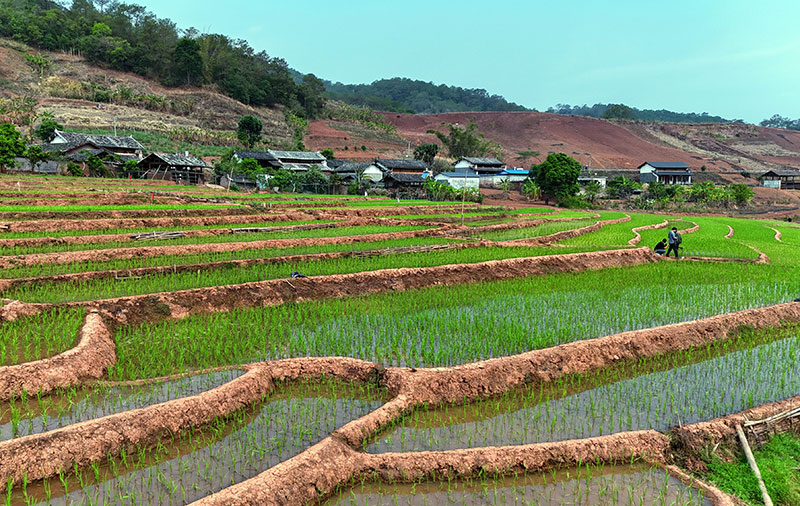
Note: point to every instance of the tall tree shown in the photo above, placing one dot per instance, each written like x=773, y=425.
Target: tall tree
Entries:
x=426, y=152
x=11, y=145
x=187, y=61
x=557, y=176
x=249, y=130
x=467, y=141
x=311, y=95
x=619, y=111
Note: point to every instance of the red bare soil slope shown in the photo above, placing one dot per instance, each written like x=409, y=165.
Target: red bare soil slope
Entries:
x=619, y=145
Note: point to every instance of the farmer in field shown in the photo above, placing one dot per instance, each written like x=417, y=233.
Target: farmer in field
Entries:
x=675, y=239
x=661, y=247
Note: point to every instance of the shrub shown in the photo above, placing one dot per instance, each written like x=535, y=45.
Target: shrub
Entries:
x=74, y=169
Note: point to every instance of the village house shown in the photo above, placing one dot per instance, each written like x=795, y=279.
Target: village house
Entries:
x=395, y=166
x=783, y=179
x=464, y=178
x=481, y=166
x=299, y=161
x=182, y=169
x=265, y=159
x=70, y=143
x=406, y=183
x=665, y=172
x=348, y=172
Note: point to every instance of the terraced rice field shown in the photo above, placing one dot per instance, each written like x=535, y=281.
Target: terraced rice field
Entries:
x=367, y=351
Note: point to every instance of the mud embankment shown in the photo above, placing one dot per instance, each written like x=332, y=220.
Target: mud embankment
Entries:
x=40, y=456
x=638, y=237
x=120, y=274
x=564, y=235
x=90, y=359
x=57, y=225
x=29, y=242
x=43, y=455
x=499, y=227
x=123, y=213
x=279, y=291
x=101, y=255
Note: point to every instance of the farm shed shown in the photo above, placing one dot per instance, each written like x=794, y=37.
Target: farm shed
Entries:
x=264, y=158
x=401, y=180
x=68, y=143
x=482, y=166
x=460, y=179
x=665, y=172
x=784, y=179
x=241, y=182
x=182, y=169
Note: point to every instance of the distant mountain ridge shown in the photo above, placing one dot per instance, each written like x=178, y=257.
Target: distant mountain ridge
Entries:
x=400, y=94
x=659, y=115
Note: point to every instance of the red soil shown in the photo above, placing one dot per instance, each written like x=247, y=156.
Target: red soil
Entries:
x=613, y=145
x=610, y=145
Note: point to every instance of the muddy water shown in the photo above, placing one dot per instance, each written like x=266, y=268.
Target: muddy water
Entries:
x=596, y=486
x=659, y=400
x=224, y=453
x=73, y=406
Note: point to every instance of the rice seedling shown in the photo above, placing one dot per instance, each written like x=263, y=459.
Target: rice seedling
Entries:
x=222, y=256
x=36, y=414
x=630, y=397
x=109, y=207
x=537, y=231
x=191, y=465
x=364, y=230
x=601, y=485
x=617, y=234
x=35, y=337
x=134, y=230
x=228, y=274
x=447, y=325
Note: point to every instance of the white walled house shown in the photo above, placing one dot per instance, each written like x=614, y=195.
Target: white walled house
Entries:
x=460, y=179
x=665, y=172
x=482, y=166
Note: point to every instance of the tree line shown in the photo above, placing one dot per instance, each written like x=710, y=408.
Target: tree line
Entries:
x=129, y=38
x=778, y=121
x=413, y=96
x=624, y=112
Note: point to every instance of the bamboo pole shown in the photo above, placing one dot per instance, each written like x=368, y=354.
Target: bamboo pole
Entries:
x=752, y=461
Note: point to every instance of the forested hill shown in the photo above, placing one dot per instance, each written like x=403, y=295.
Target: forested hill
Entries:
x=407, y=95
x=127, y=37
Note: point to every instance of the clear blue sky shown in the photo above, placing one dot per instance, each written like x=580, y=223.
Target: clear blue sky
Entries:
x=735, y=58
